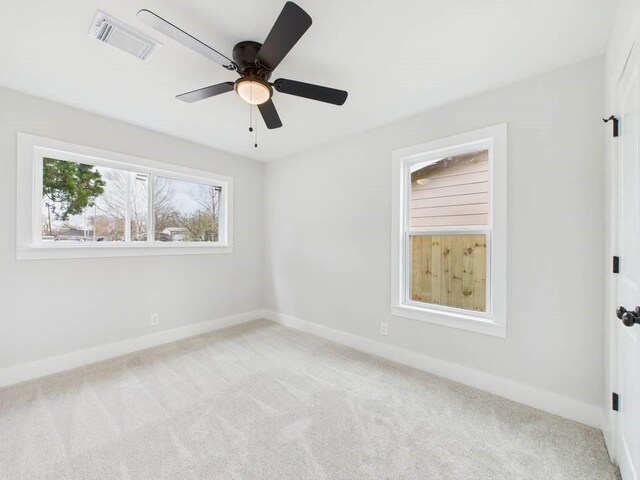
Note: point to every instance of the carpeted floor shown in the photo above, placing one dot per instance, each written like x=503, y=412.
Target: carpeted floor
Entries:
x=262, y=402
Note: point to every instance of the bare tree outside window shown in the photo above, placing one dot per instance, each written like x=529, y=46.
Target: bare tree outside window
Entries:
x=162, y=204
x=110, y=214
x=186, y=211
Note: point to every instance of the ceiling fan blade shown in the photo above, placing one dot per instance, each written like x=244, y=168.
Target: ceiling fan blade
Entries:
x=270, y=115
x=309, y=90
x=170, y=30
x=285, y=33
x=205, y=92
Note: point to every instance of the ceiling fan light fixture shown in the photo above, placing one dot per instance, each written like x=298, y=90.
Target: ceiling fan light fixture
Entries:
x=254, y=91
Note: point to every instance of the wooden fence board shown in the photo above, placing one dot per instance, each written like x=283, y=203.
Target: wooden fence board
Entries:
x=456, y=269
x=449, y=270
x=480, y=274
x=436, y=271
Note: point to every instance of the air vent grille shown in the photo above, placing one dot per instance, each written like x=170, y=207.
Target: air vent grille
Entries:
x=115, y=33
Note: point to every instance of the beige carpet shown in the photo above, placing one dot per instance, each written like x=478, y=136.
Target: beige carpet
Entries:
x=262, y=402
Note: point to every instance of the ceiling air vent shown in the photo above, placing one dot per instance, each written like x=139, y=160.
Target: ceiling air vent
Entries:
x=115, y=33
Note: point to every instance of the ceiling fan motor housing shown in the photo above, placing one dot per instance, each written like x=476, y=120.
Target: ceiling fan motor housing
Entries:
x=244, y=55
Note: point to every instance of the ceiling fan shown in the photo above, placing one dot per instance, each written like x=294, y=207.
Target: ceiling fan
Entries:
x=254, y=62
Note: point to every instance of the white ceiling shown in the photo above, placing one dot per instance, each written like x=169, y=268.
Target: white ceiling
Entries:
x=395, y=58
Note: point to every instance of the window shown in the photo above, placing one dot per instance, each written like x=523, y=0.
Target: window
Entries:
x=76, y=201
x=449, y=238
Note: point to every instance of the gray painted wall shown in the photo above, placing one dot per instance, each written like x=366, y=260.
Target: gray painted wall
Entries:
x=328, y=247
x=50, y=307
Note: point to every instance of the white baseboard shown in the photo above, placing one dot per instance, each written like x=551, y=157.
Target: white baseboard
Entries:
x=47, y=366
x=516, y=391
x=532, y=396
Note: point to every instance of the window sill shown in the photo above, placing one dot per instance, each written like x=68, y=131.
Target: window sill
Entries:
x=41, y=252
x=470, y=323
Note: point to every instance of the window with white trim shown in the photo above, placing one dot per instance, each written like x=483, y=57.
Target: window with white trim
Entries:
x=449, y=239
x=87, y=202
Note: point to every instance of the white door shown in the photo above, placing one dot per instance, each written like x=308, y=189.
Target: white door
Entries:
x=628, y=288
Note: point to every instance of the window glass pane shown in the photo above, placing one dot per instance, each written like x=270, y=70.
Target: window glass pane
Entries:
x=449, y=270
x=452, y=191
x=109, y=212
x=124, y=201
x=87, y=203
x=185, y=211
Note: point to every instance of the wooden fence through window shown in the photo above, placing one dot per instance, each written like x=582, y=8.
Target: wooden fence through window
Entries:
x=450, y=270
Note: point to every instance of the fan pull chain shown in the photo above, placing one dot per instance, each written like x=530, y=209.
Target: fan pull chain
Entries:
x=255, y=145
x=253, y=129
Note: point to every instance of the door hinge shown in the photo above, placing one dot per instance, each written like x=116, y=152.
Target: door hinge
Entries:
x=616, y=124
x=616, y=264
x=614, y=401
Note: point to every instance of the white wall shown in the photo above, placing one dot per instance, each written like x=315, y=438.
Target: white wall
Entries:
x=328, y=219
x=51, y=307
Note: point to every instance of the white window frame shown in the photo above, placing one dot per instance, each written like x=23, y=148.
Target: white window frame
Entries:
x=29, y=245
x=494, y=320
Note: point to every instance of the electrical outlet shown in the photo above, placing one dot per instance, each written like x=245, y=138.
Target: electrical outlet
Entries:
x=155, y=319
x=384, y=329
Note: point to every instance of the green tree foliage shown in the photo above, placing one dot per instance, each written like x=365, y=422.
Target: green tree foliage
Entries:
x=69, y=187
